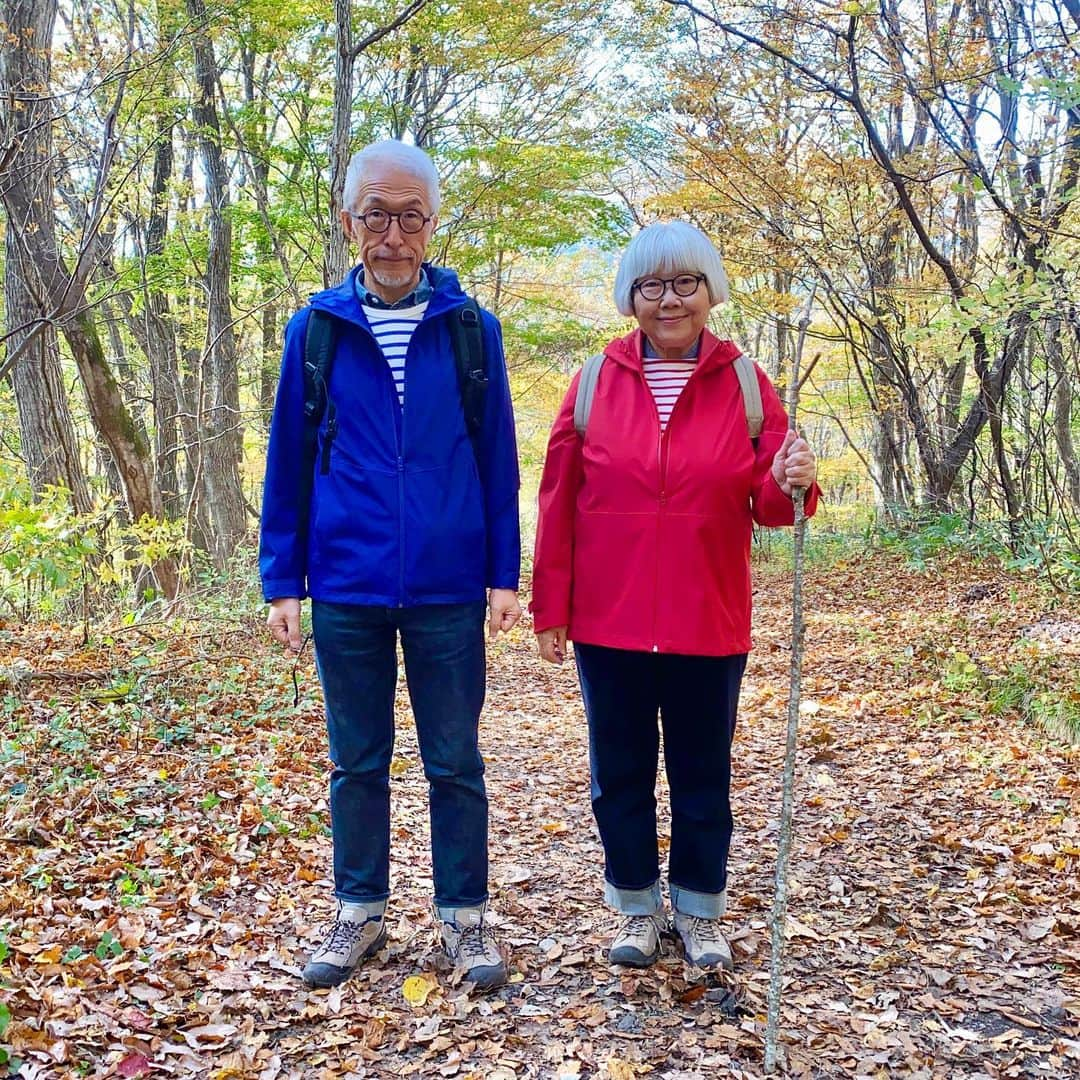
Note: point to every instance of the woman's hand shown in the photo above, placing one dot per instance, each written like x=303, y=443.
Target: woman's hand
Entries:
x=794, y=465
x=552, y=644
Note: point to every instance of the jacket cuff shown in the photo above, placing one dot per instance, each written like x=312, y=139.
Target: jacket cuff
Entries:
x=548, y=619
x=280, y=589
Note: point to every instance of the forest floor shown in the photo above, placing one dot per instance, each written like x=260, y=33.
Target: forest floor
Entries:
x=166, y=858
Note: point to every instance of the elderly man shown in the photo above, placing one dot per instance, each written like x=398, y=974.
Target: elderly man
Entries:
x=391, y=500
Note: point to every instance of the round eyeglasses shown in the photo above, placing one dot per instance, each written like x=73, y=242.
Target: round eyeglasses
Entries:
x=378, y=221
x=683, y=285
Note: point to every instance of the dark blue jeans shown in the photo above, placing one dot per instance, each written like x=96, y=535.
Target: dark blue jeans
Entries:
x=356, y=655
x=696, y=698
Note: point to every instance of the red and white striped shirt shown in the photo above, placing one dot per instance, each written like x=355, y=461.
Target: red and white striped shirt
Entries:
x=666, y=379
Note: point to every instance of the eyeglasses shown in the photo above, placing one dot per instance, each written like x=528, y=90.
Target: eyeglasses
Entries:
x=683, y=285
x=378, y=221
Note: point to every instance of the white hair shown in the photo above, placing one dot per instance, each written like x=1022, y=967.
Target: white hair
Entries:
x=669, y=247
x=398, y=155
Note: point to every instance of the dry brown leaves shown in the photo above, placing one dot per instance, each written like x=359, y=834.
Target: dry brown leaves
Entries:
x=166, y=864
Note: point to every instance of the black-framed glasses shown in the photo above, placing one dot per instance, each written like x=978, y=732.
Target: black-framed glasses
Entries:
x=378, y=221
x=684, y=285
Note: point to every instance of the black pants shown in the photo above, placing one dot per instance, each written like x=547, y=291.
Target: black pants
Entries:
x=696, y=699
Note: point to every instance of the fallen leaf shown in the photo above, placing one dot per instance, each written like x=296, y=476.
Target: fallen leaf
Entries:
x=1037, y=929
x=208, y=1036
x=617, y=1069
x=417, y=989
x=134, y=1065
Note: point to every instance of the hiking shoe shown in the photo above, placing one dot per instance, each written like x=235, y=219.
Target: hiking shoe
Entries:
x=472, y=948
x=358, y=932
x=703, y=942
x=637, y=942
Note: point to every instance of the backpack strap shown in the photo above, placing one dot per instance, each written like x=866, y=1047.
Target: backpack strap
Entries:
x=467, y=338
x=744, y=369
x=586, y=391
x=751, y=394
x=319, y=342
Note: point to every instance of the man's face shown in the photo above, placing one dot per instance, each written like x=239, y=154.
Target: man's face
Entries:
x=391, y=259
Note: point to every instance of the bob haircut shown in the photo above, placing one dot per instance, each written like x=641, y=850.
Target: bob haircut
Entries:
x=669, y=247
x=398, y=155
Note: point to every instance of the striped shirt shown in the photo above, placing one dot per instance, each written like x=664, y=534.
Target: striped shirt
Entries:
x=393, y=329
x=666, y=379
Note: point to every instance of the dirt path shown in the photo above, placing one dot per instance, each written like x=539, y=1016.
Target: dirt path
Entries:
x=166, y=867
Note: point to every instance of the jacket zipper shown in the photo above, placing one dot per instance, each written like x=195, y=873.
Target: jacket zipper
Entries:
x=660, y=503
x=399, y=440
x=662, y=444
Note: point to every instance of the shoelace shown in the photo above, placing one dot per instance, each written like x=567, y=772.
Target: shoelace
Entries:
x=706, y=930
x=343, y=936
x=474, y=941
x=637, y=925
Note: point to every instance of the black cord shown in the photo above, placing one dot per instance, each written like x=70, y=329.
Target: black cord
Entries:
x=295, y=680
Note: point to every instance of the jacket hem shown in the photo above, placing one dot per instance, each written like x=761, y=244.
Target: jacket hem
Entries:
x=677, y=648
x=334, y=596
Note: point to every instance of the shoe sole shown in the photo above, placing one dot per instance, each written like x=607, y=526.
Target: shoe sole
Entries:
x=370, y=951
x=716, y=965
x=640, y=960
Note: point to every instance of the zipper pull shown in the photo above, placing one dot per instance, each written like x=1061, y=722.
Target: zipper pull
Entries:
x=328, y=442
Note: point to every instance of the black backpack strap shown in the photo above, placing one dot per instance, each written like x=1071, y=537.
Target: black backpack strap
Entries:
x=319, y=342
x=467, y=337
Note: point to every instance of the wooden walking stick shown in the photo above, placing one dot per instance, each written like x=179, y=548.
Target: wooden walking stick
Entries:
x=779, y=911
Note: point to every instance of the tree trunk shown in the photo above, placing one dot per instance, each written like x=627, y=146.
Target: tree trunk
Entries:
x=218, y=500
x=337, y=250
x=60, y=295
x=48, y=443
x=1064, y=398
x=161, y=345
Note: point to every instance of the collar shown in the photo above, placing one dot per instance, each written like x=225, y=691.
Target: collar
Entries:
x=419, y=295
x=648, y=350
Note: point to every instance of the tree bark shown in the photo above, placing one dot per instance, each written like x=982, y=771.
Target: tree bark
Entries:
x=1064, y=399
x=59, y=295
x=337, y=249
x=162, y=350
x=48, y=443
x=218, y=503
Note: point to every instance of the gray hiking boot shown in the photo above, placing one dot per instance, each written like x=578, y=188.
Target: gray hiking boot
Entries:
x=704, y=942
x=637, y=941
x=472, y=948
x=358, y=932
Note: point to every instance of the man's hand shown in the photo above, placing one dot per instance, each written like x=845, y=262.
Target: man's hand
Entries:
x=284, y=622
x=552, y=644
x=794, y=465
x=505, y=611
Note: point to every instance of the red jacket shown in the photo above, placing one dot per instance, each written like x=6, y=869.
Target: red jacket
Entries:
x=643, y=539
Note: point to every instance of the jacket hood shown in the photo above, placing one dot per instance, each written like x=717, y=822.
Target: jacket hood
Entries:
x=714, y=352
x=446, y=294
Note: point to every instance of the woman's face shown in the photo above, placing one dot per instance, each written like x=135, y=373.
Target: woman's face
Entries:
x=673, y=323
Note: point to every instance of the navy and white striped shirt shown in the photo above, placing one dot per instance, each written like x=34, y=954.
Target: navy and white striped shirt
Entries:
x=393, y=329
x=394, y=338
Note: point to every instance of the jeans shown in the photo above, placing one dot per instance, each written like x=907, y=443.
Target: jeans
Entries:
x=696, y=698
x=356, y=656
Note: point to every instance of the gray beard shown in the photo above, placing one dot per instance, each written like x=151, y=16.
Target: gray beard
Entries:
x=393, y=281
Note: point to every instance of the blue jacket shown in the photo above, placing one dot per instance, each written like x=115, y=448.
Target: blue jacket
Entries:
x=405, y=516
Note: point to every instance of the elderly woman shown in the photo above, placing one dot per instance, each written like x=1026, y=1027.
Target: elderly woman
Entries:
x=643, y=560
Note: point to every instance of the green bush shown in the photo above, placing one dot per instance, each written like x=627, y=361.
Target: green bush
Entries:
x=1034, y=547
x=51, y=557
x=45, y=548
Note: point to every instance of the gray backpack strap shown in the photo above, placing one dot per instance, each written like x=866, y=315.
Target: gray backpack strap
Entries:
x=751, y=393
x=586, y=390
